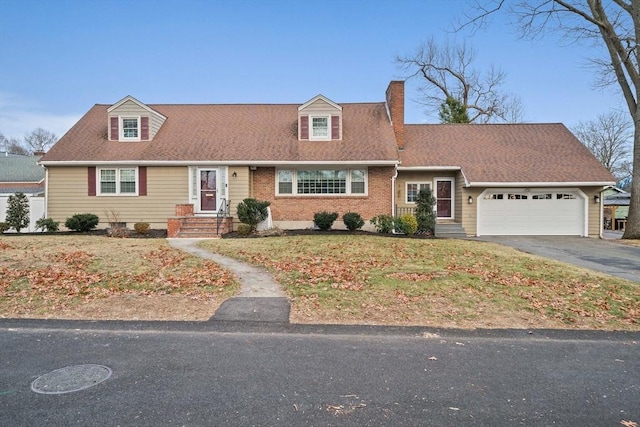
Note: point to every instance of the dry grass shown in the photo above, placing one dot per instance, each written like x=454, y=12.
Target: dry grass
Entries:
x=447, y=283
x=96, y=277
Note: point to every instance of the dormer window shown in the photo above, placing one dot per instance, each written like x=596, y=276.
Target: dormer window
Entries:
x=319, y=119
x=319, y=128
x=130, y=129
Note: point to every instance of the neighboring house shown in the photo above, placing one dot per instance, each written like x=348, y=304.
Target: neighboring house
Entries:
x=22, y=174
x=180, y=166
x=616, y=208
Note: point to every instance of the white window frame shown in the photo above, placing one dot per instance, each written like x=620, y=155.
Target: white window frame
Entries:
x=419, y=184
x=347, y=193
x=118, y=170
x=131, y=138
x=326, y=137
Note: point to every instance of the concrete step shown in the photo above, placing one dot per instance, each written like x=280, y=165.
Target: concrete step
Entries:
x=450, y=230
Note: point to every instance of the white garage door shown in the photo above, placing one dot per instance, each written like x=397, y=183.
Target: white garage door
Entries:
x=535, y=212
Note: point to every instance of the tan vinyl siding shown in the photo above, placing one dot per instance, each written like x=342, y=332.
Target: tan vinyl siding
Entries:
x=238, y=189
x=425, y=176
x=470, y=211
x=594, y=211
x=320, y=107
x=166, y=187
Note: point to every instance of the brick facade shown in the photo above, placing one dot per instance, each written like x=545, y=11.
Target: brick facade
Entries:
x=302, y=208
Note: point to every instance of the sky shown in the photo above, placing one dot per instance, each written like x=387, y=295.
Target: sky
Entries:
x=60, y=57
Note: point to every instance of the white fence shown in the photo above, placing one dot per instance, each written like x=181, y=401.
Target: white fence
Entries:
x=36, y=211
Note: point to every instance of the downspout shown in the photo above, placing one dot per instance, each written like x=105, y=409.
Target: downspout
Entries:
x=46, y=192
x=393, y=190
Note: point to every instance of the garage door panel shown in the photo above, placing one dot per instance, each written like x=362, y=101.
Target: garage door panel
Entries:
x=523, y=215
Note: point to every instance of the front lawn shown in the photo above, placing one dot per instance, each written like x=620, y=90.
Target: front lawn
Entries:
x=450, y=283
x=97, y=277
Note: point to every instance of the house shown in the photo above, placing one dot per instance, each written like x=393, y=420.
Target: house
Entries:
x=22, y=174
x=186, y=167
x=616, y=208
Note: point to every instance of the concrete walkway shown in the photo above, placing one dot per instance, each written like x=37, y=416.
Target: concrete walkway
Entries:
x=261, y=299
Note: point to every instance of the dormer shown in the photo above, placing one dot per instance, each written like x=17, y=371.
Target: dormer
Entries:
x=130, y=120
x=319, y=119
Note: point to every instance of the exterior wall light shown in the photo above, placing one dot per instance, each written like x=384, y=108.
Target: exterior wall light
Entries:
x=235, y=174
x=470, y=199
x=596, y=199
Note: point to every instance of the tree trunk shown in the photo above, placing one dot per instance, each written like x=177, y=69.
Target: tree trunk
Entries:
x=632, y=229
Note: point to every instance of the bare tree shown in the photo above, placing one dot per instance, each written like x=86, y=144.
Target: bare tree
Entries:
x=447, y=72
x=609, y=139
x=613, y=25
x=12, y=146
x=40, y=140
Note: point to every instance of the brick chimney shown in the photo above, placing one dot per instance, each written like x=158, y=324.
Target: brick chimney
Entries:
x=395, y=104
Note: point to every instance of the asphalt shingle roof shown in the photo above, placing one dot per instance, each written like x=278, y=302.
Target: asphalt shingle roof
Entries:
x=502, y=153
x=20, y=169
x=232, y=133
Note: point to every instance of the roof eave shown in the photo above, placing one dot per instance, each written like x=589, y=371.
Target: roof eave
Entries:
x=541, y=184
x=219, y=162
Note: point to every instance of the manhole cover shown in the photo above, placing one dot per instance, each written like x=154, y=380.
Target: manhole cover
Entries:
x=70, y=379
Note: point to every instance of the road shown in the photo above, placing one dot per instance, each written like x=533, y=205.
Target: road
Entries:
x=319, y=376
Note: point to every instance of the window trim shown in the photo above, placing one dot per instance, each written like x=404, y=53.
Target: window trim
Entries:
x=347, y=193
x=121, y=130
x=118, y=193
x=326, y=137
x=419, y=183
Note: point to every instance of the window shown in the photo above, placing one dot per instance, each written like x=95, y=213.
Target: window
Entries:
x=517, y=196
x=561, y=196
x=285, y=182
x=321, y=181
x=320, y=128
x=413, y=188
x=118, y=181
x=546, y=196
x=130, y=128
x=494, y=197
x=358, y=181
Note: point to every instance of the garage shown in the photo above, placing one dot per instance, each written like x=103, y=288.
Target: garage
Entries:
x=531, y=212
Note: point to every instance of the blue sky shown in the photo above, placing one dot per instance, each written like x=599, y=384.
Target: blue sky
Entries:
x=58, y=58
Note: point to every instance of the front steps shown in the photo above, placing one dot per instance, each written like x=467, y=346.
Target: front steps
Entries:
x=196, y=227
x=453, y=230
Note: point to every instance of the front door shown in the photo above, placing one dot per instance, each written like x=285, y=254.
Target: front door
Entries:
x=444, y=198
x=208, y=190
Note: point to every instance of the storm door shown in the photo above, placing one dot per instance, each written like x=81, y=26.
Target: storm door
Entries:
x=208, y=193
x=444, y=198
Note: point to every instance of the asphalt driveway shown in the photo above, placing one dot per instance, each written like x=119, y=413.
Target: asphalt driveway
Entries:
x=606, y=256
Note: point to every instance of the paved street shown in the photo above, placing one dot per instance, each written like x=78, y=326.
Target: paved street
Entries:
x=197, y=374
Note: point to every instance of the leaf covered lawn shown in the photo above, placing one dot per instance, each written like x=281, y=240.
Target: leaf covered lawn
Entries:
x=89, y=276
x=447, y=283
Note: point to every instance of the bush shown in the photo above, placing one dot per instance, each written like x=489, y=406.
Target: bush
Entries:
x=141, y=227
x=244, y=229
x=425, y=216
x=48, y=225
x=4, y=227
x=18, y=211
x=324, y=220
x=353, y=221
x=406, y=224
x=82, y=222
x=383, y=223
x=252, y=212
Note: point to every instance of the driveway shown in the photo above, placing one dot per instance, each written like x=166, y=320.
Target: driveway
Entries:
x=606, y=256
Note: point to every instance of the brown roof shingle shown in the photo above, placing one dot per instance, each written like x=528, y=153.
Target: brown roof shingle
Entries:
x=503, y=153
x=260, y=133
